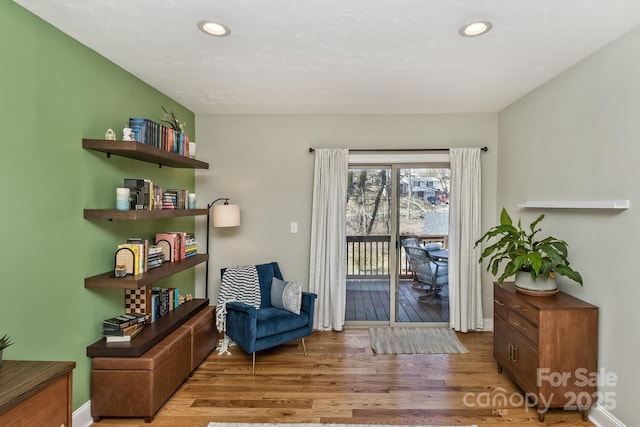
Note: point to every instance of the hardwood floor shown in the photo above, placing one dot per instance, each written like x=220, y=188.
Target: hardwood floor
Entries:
x=342, y=381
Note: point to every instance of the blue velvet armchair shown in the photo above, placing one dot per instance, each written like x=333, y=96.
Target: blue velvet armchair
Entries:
x=259, y=329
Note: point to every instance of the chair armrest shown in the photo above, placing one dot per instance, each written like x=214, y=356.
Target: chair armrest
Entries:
x=308, y=302
x=242, y=325
x=240, y=306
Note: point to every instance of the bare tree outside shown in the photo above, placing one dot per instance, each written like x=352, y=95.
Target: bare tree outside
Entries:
x=421, y=191
x=422, y=196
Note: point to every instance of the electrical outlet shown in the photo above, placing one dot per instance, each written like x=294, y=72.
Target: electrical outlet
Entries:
x=294, y=227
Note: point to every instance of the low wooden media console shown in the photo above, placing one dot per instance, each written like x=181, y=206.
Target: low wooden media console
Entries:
x=136, y=378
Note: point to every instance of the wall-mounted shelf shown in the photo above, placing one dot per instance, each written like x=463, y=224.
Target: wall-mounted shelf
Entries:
x=108, y=279
x=143, y=152
x=152, y=334
x=135, y=215
x=594, y=204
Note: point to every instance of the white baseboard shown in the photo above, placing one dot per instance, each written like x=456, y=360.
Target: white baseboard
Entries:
x=82, y=416
x=603, y=418
x=487, y=324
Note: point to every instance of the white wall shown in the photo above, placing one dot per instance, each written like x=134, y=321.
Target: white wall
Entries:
x=262, y=163
x=576, y=138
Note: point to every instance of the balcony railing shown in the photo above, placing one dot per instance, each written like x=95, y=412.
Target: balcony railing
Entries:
x=368, y=256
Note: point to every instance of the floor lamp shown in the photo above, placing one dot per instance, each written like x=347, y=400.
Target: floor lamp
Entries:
x=225, y=215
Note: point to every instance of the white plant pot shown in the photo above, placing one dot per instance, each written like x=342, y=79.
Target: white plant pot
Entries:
x=524, y=281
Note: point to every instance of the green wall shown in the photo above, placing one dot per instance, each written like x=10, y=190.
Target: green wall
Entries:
x=54, y=92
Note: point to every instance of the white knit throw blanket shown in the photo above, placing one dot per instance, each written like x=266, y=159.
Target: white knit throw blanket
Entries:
x=238, y=284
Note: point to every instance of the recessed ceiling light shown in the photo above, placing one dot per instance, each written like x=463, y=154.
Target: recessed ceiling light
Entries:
x=475, y=28
x=214, y=28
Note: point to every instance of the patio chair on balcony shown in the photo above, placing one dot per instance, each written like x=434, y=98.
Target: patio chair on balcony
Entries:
x=410, y=241
x=431, y=276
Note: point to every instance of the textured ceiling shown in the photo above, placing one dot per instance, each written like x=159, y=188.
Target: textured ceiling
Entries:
x=342, y=56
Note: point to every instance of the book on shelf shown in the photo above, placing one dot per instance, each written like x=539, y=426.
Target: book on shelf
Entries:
x=124, y=320
x=136, y=249
x=176, y=297
x=121, y=332
x=162, y=301
x=154, y=257
x=124, y=338
x=143, y=244
x=141, y=193
x=181, y=239
x=191, y=247
x=175, y=199
x=168, y=242
x=159, y=136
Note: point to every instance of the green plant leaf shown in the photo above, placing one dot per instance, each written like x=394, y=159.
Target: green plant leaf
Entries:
x=570, y=273
x=516, y=249
x=505, y=219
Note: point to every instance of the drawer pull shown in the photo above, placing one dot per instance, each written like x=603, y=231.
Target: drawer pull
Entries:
x=518, y=325
x=497, y=301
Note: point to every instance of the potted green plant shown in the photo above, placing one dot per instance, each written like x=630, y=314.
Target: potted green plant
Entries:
x=534, y=263
x=5, y=342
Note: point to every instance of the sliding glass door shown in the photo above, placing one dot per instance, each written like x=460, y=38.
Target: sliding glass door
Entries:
x=385, y=206
x=369, y=256
x=423, y=232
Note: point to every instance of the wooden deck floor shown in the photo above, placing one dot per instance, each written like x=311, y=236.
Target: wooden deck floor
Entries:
x=368, y=300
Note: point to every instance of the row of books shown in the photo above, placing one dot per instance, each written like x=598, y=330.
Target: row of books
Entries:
x=138, y=256
x=163, y=300
x=177, y=245
x=147, y=195
x=159, y=136
x=125, y=327
x=175, y=199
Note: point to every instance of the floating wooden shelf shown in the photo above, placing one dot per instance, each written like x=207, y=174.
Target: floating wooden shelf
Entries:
x=108, y=279
x=135, y=215
x=143, y=152
x=151, y=335
x=594, y=204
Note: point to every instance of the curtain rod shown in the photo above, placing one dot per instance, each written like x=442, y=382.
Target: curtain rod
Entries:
x=379, y=150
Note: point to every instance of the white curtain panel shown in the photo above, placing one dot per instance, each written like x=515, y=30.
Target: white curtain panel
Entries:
x=328, y=264
x=465, y=273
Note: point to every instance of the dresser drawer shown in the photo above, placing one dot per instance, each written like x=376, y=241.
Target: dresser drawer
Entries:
x=522, y=308
x=500, y=302
x=523, y=326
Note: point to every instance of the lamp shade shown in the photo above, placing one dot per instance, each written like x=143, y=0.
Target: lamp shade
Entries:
x=226, y=215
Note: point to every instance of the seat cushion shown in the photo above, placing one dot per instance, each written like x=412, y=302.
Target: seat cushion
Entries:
x=272, y=321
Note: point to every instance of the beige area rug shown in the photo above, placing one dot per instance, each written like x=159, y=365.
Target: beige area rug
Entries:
x=315, y=425
x=415, y=341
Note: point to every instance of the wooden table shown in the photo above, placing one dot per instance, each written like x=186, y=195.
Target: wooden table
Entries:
x=35, y=393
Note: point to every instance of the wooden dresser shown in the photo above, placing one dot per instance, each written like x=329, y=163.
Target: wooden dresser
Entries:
x=549, y=346
x=35, y=393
